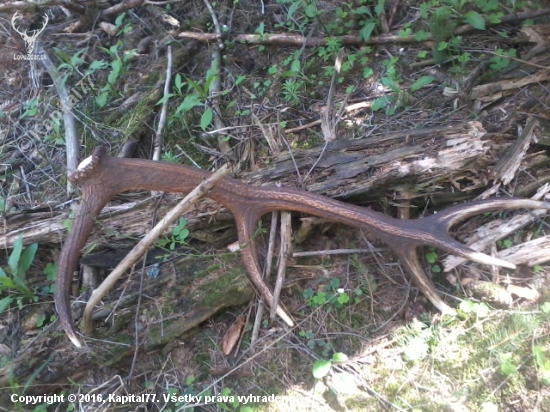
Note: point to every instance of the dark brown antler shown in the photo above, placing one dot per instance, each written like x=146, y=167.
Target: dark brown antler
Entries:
x=101, y=177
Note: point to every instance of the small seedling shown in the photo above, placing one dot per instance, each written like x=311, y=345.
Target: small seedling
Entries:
x=179, y=235
x=12, y=279
x=321, y=367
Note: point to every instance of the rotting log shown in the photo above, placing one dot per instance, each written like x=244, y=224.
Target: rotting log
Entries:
x=403, y=165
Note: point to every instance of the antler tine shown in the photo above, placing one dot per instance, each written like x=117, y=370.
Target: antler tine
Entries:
x=408, y=257
x=245, y=227
x=439, y=224
x=458, y=213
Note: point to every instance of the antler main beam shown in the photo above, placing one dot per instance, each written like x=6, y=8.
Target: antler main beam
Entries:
x=101, y=177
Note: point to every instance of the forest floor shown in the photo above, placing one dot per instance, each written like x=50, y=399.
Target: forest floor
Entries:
x=287, y=91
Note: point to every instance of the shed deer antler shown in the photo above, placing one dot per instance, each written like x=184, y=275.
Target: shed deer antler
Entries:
x=101, y=177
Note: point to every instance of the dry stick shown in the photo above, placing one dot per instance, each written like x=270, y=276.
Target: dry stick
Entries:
x=337, y=252
x=216, y=85
x=285, y=246
x=145, y=243
x=501, y=86
x=267, y=272
x=157, y=143
x=351, y=40
x=71, y=137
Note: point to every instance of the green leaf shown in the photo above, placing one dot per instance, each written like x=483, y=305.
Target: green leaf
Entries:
x=311, y=10
x=420, y=83
x=295, y=66
x=540, y=355
x=474, y=19
x=481, y=309
x=7, y=282
x=198, y=88
x=362, y=10
x=506, y=368
x=26, y=259
x=421, y=35
x=115, y=72
x=5, y=303
x=379, y=7
x=164, y=98
x=545, y=307
x=379, y=103
x=292, y=9
x=339, y=357
x=366, y=31
x=13, y=261
x=321, y=368
x=98, y=65
x=206, y=118
x=308, y=294
x=390, y=83
x=367, y=72
x=334, y=283
x=431, y=257
x=343, y=298
x=261, y=28
x=466, y=306
x=211, y=74
x=183, y=235
x=190, y=101
x=179, y=83
x=101, y=100
x=119, y=19
x=240, y=79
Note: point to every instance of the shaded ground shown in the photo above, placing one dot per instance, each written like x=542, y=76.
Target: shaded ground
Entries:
x=407, y=66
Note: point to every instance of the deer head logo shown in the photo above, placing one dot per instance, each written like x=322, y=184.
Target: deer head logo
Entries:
x=29, y=37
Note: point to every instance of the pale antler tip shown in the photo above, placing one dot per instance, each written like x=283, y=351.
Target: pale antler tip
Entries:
x=83, y=164
x=74, y=339
x=489, y=260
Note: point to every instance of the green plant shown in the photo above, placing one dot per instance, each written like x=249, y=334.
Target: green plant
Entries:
x=322, y=367
x=127, y=28
x=504, y=243
x=481, y=310
x=118, y=67
x=433, y=257
x=169, y=157
x=12, y=279
x=291, y=88
x=196, y=95
x=500, y=60
x=542, y=363
x=31, y=108
x=313, y=342
x=331, y=293
x=178, y=237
